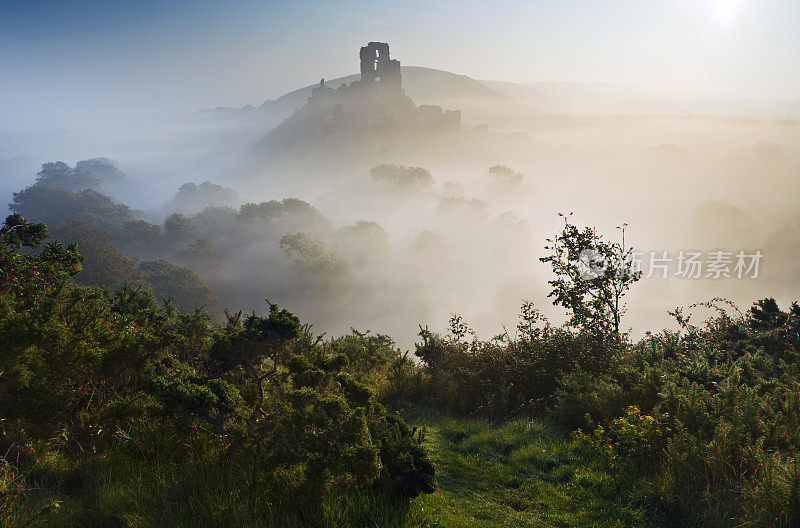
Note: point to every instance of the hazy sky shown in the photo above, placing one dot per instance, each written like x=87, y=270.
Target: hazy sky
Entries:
x=89, y=60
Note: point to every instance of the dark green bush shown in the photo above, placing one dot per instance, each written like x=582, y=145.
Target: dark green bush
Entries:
x=85, y=372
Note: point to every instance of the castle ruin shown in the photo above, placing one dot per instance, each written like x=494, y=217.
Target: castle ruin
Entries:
x=377, y=68
x=378, y=97
x=373, y=110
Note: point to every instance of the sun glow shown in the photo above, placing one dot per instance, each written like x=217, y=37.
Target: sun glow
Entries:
x=725, y=12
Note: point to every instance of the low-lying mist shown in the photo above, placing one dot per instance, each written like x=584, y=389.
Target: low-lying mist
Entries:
x=345, y=243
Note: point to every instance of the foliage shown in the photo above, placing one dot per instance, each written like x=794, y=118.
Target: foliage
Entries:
x=291, y=214
x=18, y=232
x=117, y=407
x=103, y=170
x=203, y=256
x=59, y=174
x=634, y=438
x=701, y=423
x=103, y=264
x=312, y=256
x=401, y=175
x=505, y=175
x=87, y=374
x=180, y=228
x=506, y=377
x=459, y=204
x=54, y=205
x=193, y=198
x=185, y=287
x=592, y=277
x=718, y=434
x=519, y=473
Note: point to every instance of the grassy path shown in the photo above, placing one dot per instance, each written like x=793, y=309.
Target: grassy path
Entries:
x=522, y=473
x=518, y=474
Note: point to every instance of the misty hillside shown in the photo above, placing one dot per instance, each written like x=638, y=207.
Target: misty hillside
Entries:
x=423, y=85
x=508, y=103
x=427, y=86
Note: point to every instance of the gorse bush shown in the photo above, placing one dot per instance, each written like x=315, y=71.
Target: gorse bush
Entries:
x=256, y=420
x=716, y=415
x=704, y=420
x=507, y=376
x=633, y=439
x=86, y=373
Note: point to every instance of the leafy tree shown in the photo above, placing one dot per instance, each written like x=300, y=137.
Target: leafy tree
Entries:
x=460, y=205
x=289, y=404
x=290, y=214
x=192, y=198
x=103, y=265
x=59, y=174
x=187, y=289
x=592, y=277
x=54, y=205
x=38, y=388
x=363, y=241
x=87, y=174
x=103, y=170
x=18, y=232
x=505, y=175
x=180, y=228
x=312, y=255
x=367, y=354
x=203, y=256
x=53, y=170
x=366, y=230
x=401, y=175
x=139, y=238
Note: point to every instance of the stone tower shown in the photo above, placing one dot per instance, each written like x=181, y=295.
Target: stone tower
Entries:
x=377, y=68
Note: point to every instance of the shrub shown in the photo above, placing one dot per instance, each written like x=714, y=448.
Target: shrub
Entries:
x=86, y=372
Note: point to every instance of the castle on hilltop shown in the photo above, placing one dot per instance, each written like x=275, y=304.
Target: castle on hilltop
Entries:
x=377, y=71
x=381, y=82
x=372, y=112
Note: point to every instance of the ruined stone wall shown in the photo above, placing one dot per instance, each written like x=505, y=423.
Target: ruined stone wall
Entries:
x=377, y=68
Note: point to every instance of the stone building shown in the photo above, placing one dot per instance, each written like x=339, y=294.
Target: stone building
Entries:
x=378, y=68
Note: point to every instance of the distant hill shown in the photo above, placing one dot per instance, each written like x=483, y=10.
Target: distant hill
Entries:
x=423, y=85
x=478, y=102
x=578, y=98
x=500, y=103
x=361, y=117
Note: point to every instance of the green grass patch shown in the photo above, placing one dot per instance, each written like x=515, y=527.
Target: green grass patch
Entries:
x=522, y=473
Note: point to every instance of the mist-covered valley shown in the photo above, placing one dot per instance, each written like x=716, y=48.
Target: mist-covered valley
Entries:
x=310, y=226
x=400, y=264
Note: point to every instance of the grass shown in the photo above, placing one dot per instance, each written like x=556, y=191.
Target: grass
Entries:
x=521, y=473
x=518, y=474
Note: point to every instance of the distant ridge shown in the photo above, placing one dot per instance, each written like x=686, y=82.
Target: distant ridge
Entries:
x=492, y=102
x=427, y=86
